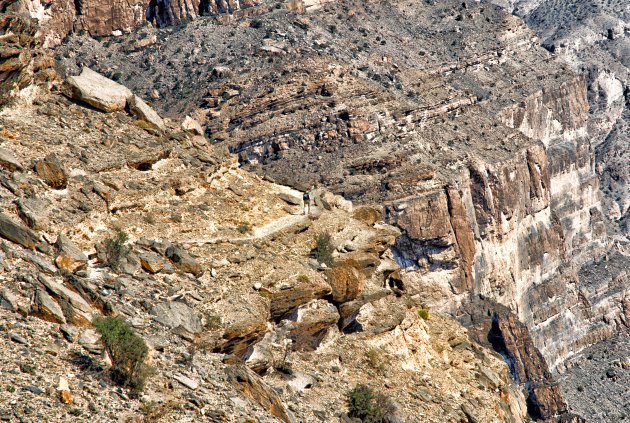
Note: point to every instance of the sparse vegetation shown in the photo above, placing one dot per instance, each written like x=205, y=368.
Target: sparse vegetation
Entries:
x=154, y=412
x=367, y=406
x=244, y=228
x=303, y=279
x=423, y=313
x=324, y=248
x=127, y=351
x=374, y=358
x=115, y=248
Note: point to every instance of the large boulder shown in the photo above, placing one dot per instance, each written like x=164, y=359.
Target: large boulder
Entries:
x=98, y=91
x=346, y=281
x=183, y=261
x=253, y=387
x=288, y=298
x=311, y=324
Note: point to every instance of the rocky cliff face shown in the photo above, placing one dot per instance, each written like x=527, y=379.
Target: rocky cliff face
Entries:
x=113, y=17
x=476, y=143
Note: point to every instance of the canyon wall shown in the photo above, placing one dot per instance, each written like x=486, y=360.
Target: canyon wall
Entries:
x=114, y=17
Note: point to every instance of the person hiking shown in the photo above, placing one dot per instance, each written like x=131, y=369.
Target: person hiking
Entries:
x=307, y=202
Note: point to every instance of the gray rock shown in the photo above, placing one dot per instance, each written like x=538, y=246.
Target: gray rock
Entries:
x=18, y=338
x=17, y=233
x=186, y=381
x=8, y=300
x=98, y=91
x=143, y=111
x=291, y=198
x=34, y=389
x=70, y=333
x=175, y=314
x=42, y=264
x=33, y=211
x=8, y=161
x=46, y=308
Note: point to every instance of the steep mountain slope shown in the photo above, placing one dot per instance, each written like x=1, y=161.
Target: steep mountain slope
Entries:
x=474, y=142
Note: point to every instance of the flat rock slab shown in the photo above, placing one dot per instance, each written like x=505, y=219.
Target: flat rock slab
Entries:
x=9, y=161
x=98, y=91
x=17, y=233
x=186, y=381
x=143, y=111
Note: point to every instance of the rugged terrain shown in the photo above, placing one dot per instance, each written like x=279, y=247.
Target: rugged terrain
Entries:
x=480, y=153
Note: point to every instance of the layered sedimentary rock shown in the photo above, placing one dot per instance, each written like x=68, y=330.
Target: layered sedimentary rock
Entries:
x=472, y=138
x=112, y=17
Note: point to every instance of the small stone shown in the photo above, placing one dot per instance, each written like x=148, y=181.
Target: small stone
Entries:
x=63, y=388
x=18, y=338
x=151, y=262
x=191, y=126
x=51, y=171
x=186, y=381
x=257, y=286
x=34, y=389
x=8, y=161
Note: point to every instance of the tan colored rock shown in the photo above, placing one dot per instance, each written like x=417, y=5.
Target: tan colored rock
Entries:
x=143, y=111
x=152, y=263
x=46, y=308
x=99, y=91
x=191, y=126
x=345, y=281
x=69, y=256
x=52, y=172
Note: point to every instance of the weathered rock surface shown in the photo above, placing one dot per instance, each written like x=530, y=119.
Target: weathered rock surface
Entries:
x=175, y=314
x=98, y=91
x=143, y=111
x=51, y=170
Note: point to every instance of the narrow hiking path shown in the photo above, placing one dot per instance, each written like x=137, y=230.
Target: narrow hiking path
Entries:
x=269, y=229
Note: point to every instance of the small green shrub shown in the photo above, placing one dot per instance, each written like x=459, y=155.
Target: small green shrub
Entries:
x=370, y=408
x=324, y=248
x=256, y=24
x=303, y=279
x=127, y=351
x=244, y=228
x=115, y=248
x=423, y=313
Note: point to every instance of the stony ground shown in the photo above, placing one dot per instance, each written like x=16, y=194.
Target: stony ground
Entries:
x=239, y=286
